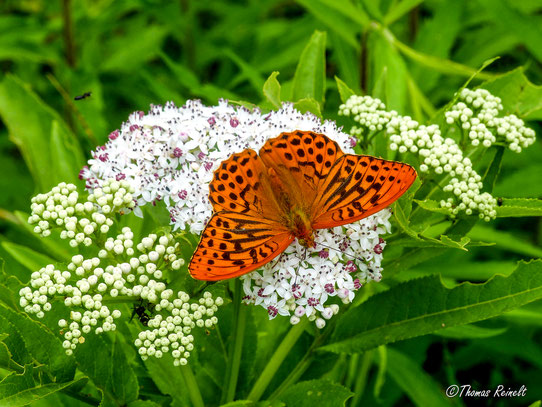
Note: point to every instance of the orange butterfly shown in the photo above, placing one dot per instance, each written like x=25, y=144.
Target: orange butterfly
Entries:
x=300, y=182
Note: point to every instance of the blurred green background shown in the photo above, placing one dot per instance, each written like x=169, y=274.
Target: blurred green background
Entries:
x=413, y=54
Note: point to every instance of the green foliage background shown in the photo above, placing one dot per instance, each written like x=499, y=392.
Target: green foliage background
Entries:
x=412, y=54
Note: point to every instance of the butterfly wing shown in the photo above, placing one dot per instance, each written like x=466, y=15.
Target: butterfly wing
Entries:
x=234, y=244
x=245, y=231
x=358, y=186
x=300, y=162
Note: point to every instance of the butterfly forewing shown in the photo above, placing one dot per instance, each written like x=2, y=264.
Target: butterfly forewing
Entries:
x=359, y=186
x=233, y=244
x=301, y=160
x=241, y=185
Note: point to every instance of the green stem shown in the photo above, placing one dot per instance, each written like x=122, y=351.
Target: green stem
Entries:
x=236, y=344
x=276, y=359
x=192, y=386
x=361, y=379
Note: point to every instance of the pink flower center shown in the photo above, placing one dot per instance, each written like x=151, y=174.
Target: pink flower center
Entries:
x=177, y=152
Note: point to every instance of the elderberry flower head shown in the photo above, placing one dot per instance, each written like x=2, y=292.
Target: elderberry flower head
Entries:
x=79, y=221
x=476, y=113
x=120, y=269
x=171, y=152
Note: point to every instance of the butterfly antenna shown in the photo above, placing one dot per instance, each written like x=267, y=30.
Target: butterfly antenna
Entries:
x=334, y=248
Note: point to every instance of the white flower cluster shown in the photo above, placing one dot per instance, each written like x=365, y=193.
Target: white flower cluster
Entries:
x=369, y=112
x=476, y=113
x=121, y=269
x=171, y=153
x=79, y=221
x=173, y=332
x=344, y=259
x=443, y=156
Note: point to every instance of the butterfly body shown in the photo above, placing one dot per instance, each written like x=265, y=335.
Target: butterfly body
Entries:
x=298, y=183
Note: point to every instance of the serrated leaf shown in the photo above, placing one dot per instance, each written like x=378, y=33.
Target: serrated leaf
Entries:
x=18, y=390
x=421, y=240
x=518, y=94
x=432, y=306
x=271, y=90
x=310, y=75
x=116, y=380
x=519, y=208
x=316, y=393
x=344, y=91
x=40, y=342
x=432, y=206
x=420, y=387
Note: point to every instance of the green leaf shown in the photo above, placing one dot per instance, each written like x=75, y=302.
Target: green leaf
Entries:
x=66, y=156
x=384, y=56
x=519, y=96
x=316, y=393
x=308, y=105
x=41, y=344
x=271, y=90
x=441, y=65
x=341, y=17
x=6, y=358
x=310, y=75
x=117, y=380
x=469, y=331
x=432, y=306
x=18, y=390
x=168, y=379
x=247, y=71
x=129, y=51
x=504, y=240
x=399, y=10
x=425, y=241
x=420, y=387
x=250, y=403
x=29, y=258
x=432, y=206
x=527, y=28
x=519, y=207
x=490, y=177
x=29, y=121
x=344, y=91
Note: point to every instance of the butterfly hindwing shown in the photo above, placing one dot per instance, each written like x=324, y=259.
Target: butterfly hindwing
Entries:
x=233, y=244
x=358, y=186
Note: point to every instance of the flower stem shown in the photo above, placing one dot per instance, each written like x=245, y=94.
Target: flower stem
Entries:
x=236, y=344
x=361, y=379
x=274, y=363
x=192, y=386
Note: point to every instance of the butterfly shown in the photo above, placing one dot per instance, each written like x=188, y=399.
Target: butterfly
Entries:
x=300, y=181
